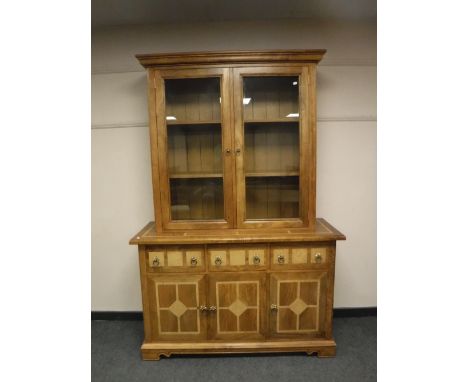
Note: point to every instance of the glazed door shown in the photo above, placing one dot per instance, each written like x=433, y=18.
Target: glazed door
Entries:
x=298, y=304
x=274, y=137
x=194, y=136
x=237, y=304
x=175, y=303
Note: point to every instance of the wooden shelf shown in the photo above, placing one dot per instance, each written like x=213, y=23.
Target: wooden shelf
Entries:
x=194, y=176
x=273, y=120
x=272, y=173
x=176, y=122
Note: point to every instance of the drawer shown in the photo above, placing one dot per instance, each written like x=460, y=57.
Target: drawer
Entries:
x=299, y=256
x=237, y=257
x=175, y=258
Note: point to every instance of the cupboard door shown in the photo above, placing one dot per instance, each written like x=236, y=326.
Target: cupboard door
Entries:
x=175, y=303
x=298, y=304
x=274, y=155
x=237, y=303
x=194, y=145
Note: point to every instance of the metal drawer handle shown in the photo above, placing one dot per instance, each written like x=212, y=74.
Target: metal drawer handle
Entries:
x=256, y=260
x=318, y=258
x=156, y=262
x=193, y=261
x=218, y=260
x=280, y=259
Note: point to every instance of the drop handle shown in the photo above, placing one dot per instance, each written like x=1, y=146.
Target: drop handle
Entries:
x=193, y=261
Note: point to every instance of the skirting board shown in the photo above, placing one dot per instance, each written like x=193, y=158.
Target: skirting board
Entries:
x=138, y=316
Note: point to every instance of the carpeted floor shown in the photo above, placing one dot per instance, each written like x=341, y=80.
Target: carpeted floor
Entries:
x=116, y=357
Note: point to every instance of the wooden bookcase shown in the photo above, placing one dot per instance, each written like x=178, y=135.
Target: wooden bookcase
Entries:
x=236, y=260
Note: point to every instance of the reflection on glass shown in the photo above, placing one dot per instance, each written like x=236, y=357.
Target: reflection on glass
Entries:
x=272, y=147
x=271, y=153
x=193, y=100
x=197, y=199
x=271, y=98
x=272, y=197
x=194, y=148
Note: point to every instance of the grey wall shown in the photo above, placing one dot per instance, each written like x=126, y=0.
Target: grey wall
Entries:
x=121, y=179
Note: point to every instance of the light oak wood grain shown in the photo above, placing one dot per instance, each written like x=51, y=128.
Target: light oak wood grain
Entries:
x=236, y=260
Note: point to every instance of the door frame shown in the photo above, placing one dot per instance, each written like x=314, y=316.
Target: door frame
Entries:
x=213, y=298
x=307, y=143
x=323, y=324
x=153, y=305
x=159, y=136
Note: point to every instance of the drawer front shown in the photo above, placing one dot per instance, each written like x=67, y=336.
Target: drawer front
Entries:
x=176, y=259
x=237, y=257
x=308, y=255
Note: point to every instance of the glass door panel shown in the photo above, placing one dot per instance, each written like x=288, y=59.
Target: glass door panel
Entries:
x=192, y=136
x=271, y=147
x=193, y=118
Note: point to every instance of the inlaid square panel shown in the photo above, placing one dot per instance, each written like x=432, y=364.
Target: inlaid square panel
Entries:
x=287, y=292
x=226, y=294
x=156, y=259
x=287, y=320
x=277, y=252
x=227, y=321
x=260, y=253
x=237, y=257
x=168, y=321
x=318, y=255
x=299, y=255
x=198, y=255
x=248, y=320
x=188, y=295
x=167, y=294
x=309, y=292
x=175, y=258
x=214, y=254
x=188, y=321
x=308, y=319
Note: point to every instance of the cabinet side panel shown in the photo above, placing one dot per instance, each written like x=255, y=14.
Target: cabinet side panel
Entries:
x=154, y=150
x=330, y=293
x=313, y=143
x=144, y=292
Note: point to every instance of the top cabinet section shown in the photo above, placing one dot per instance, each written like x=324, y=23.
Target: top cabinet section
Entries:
x=233, y=146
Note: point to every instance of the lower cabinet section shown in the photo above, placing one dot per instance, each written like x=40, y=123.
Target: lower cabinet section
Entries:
x=174, y=304
x=257, y=298
x=230, y=306
x=298, y=303
x=240, y=305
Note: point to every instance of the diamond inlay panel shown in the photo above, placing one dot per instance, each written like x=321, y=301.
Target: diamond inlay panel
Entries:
x=298, y=303
x=241, y=315
x=298, y=306
x=177, y=307
x=237, y=307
